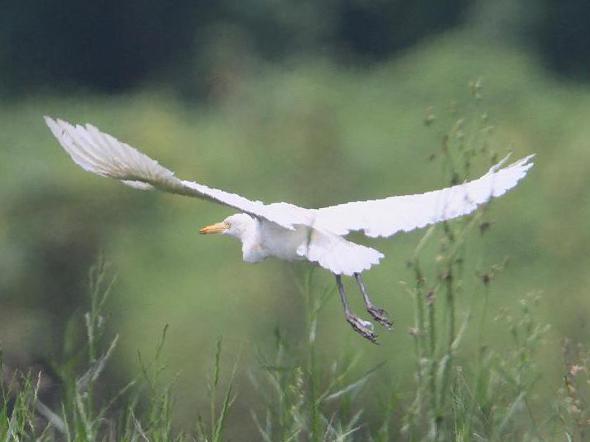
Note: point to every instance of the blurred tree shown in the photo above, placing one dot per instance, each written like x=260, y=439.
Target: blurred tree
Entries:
x=564, y=37
x=105, y=44
x=50, y=244
x=512, y=22
x=200, y=46
x=378, y=28
x=111, y=46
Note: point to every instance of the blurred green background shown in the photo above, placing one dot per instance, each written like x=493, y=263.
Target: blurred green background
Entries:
x=313, y=103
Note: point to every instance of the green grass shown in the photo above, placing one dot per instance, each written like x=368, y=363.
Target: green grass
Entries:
x=458, y=390
x=455, y=395
x=475, y=360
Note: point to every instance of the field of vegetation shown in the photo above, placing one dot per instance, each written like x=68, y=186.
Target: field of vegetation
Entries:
x=173, y=337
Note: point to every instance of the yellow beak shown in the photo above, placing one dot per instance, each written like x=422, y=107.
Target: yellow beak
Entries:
x=214, y=228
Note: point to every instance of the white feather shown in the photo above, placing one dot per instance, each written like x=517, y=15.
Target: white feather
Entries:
x=292, y=232
x=102, y=154
x=338, y=255
x=387, y=216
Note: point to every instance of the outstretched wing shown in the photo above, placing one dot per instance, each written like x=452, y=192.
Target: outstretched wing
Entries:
x=385, y=217
x=102, y=154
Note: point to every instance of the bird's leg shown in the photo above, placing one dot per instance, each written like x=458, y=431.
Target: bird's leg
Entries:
x=377, y=313
x=364, y=328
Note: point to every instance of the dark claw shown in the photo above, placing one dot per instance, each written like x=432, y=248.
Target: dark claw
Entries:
x=364, y=328
x=380, y=316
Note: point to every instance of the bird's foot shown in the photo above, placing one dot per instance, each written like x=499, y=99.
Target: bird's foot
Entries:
x=362, y=327
x=380, y=316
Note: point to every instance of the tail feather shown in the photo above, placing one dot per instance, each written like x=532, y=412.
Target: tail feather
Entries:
x=338, y=255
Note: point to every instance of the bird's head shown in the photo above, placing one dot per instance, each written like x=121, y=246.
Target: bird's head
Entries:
x=236, y=225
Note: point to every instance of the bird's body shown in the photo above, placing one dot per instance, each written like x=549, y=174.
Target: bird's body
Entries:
x=267, y=239
x=278, y=242
x=262, y=239
x=287, y=231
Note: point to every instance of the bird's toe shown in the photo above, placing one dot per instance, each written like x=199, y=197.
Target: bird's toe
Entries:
x=362, y=327
x=380, y=316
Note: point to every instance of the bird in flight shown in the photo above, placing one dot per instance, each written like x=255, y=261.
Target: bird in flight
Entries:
x=287, y=231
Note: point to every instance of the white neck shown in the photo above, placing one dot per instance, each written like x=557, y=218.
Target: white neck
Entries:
x=251, y=239
x=248, y=230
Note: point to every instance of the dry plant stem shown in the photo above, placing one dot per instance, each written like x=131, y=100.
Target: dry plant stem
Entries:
x=432, y=358
x=421, y=339
x=447, y=360
x=312, y=309
x=419, y=333
x=451, y=309
x=433, y=367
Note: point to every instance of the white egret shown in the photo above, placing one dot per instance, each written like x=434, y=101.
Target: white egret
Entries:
x=287, y=231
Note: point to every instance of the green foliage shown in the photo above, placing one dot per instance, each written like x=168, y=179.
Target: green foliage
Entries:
x=476, y=365
x=304, y=399
x=199, y=47
x=459, y=397
x=43, y=48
